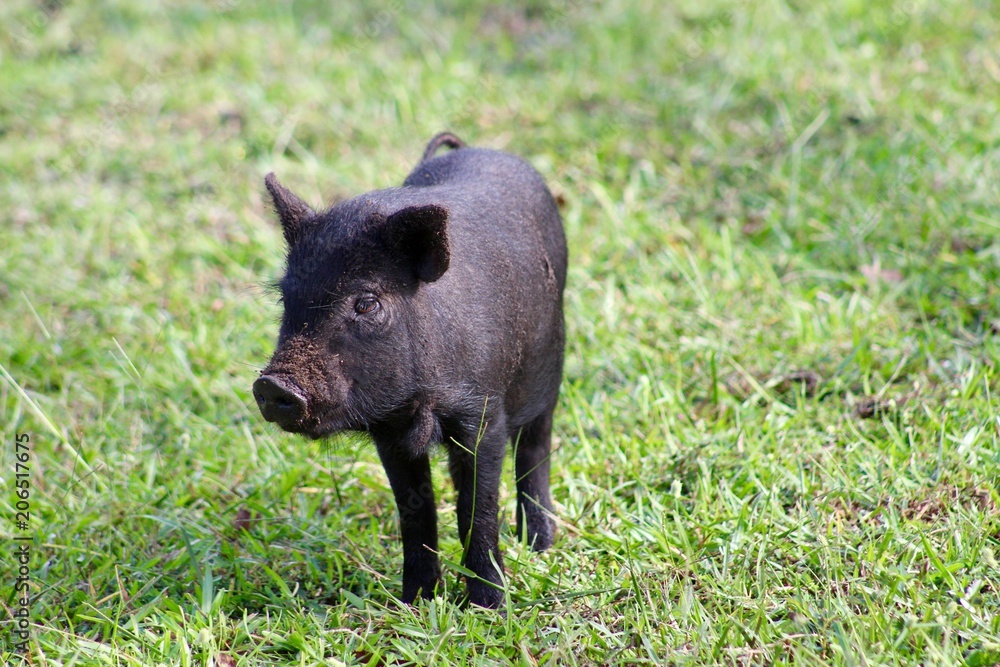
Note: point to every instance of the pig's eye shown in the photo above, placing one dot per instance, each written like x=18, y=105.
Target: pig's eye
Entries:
x=366, y=305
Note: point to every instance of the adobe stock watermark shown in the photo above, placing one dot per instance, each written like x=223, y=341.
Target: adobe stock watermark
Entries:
x=910, y=172
x=695, y=48
x=20, y=550
x=361, y=33
x=27, y=31
x=109, y=130
x=899, y=15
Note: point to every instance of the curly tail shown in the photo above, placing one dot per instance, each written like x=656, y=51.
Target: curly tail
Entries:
x=443, y=139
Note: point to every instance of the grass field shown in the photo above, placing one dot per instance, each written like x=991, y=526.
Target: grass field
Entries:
x=778, y=441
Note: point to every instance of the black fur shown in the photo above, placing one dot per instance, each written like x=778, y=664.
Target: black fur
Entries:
x=431, y=313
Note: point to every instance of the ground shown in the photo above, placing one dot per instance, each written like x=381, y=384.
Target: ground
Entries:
x=778, y=439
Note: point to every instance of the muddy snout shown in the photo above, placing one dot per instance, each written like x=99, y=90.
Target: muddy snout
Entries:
x=280, y=401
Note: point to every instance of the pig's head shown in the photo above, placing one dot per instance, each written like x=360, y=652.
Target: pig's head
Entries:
x=348, y=352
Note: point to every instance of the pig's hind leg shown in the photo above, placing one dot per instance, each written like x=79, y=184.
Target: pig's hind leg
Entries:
x=531, y=469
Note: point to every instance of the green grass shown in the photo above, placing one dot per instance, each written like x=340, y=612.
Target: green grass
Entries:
x=778, y=441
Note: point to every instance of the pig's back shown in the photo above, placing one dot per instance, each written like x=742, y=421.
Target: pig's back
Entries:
x=484, y=185
x=503, y=289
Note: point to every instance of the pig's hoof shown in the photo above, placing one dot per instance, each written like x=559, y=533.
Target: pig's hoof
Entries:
x=483, y=594
x=413, y=593
x=541, y=532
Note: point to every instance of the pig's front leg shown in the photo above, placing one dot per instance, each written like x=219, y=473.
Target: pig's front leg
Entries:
x=476, y=463
x=410, y=479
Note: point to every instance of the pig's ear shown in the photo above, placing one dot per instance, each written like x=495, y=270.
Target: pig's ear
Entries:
x=421, y=233
x=292, y=211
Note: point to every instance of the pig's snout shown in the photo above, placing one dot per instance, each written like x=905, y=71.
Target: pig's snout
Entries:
x=279, y=401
